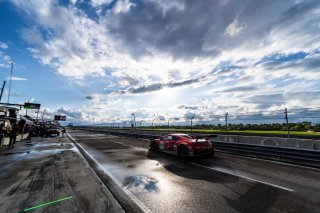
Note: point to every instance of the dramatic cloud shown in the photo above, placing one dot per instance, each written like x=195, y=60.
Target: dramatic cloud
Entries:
x=158, y=86
x=73, y=114
x=219, y=55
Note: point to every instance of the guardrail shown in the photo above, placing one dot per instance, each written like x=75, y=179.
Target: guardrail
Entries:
x=290, y=155
x=304, y=157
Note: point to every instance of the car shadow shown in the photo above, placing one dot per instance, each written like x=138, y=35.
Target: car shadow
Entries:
x=188, y=168
x=257, y=197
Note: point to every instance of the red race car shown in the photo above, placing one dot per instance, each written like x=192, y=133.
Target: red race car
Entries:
x=183, y=145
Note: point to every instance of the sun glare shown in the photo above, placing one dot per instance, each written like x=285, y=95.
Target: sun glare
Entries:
x=166, y=97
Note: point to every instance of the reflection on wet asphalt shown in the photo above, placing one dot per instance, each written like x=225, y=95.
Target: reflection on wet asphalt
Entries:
x=140, y=183
x=166, y=183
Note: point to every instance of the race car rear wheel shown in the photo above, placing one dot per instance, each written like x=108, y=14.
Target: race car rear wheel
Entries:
x=183, y=151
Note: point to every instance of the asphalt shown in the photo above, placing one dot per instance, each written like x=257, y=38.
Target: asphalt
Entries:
x=224, y=183
x=47, y=170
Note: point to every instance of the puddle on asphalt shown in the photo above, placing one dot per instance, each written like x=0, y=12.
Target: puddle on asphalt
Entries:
x=141, y=184
x=12, y=153
x=40, y=150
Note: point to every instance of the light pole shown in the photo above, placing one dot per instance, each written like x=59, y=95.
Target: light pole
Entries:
x=134, y=120
x=287, y=121
x=141, y=123
x=10, y=83
x=168, y=123
x=124, y=124
x=3, y=86
x=191, y=121
x=226, y=119
x=152, y=123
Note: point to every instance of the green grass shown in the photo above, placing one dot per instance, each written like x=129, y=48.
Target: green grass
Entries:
x=247, y=132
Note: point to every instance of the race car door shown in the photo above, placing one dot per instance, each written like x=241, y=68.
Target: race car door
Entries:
x=167, y=142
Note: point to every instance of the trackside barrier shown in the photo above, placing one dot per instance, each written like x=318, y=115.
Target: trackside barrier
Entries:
x=305, y=157
x=271, y=141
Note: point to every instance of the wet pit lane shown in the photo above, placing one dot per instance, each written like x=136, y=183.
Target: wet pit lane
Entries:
x=38, y=149
x=46, y=170
x=166, y=183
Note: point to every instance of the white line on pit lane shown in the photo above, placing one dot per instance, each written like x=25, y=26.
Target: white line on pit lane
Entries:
x=244, y=177
x=94, y=138
x=135, y=147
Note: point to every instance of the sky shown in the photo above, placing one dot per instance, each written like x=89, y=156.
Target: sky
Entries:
x=102, y=60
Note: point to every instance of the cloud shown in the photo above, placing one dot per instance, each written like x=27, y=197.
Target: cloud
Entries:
x=93, y=98
x=97, y=3
x=152, y=38
x=5, y=60
x=14, y=78
x=161, y=117
x=238, y=89
x=127, y=80
x=145, y=47
x=235, y=28
x=122, y=6
x=308, y=95
x=158, y=86
x=73, y=114
x=188, y=107
x=188, y=115
x=3, y=45
x=66, y=42
x=89, y=97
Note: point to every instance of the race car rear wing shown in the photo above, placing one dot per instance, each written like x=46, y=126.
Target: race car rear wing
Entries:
x=198, y=136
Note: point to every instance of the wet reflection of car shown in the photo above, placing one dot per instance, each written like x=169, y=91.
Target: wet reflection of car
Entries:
x=183, y=145
x=53, y=131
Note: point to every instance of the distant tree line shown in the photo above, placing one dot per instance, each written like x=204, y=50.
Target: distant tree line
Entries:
x=301, y=126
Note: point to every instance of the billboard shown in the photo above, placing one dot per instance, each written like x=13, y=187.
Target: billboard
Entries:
x=31, y=106
x=60, y=118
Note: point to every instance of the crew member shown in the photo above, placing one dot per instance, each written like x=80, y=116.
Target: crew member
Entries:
x=13, y=135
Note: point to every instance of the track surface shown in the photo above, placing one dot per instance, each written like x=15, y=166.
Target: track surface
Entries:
x=223, y=183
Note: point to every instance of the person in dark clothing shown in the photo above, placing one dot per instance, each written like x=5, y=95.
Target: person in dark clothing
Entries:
x=2, y=132
x=63, y=131
x=13, y=135
x=30, y=130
